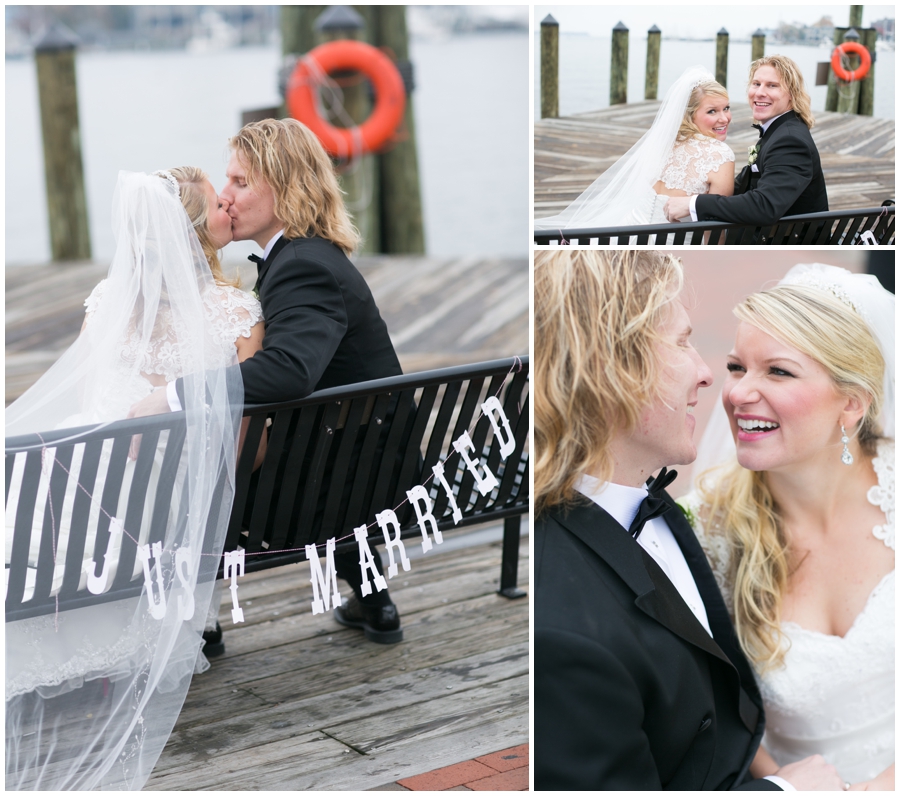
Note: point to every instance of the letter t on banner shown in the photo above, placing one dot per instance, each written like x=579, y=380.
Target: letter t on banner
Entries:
x=484, y=483
x=322, y=582
x=507, y=445
x=386, y=519
x=418, y=494
x=366, y=562
x=234, y=566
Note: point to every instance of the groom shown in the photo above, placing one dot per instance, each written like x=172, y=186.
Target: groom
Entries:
x=639, y=680
x=323, y=328
x=784, y=177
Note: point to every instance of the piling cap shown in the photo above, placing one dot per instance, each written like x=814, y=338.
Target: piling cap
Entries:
x=851, y=35
x=56, y=37
x=722, y=32
x=759, y=32
x=654, y=29
x=549, y=20
x=338, y=18
x=621, y=26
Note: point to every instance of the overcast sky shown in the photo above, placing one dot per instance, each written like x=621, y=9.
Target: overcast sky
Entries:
x=700, y=21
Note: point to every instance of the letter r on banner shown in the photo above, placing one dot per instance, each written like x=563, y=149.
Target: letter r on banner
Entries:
x=366, y=562
x=320, y=582
x=484, y=483
x=386, y=519
x=234, y=566
x=418, y=496
x=507, y=444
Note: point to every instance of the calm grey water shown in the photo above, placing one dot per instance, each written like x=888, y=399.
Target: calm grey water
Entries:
x=584, y=71
x=145, y=111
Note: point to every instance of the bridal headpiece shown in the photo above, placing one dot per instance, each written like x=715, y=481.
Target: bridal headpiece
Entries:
x=702, y=77
x=169, y=177
x=820, y=279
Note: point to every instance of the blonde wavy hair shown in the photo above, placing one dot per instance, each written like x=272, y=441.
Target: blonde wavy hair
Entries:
x=285, y=155
x=190, y=181
x=708, y=88
x=598, y=355
x=792, y=79
x=741, y=506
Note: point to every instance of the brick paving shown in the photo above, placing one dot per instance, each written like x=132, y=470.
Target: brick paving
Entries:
x=505, y=770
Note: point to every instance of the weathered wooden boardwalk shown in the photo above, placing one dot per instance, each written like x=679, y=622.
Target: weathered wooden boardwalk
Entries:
x=439, y=311
x=857, y=152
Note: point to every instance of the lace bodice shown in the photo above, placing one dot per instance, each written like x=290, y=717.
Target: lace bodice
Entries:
x=231, y=312
x=834, y=695
x=691, y=161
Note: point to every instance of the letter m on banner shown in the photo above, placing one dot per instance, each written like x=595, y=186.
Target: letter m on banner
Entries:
x=325, y=585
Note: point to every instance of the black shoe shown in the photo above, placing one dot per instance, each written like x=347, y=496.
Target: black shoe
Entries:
x=380, y=623
x=214, y=646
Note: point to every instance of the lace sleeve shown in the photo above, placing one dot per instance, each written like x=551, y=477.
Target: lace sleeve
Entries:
x=713, y=542
x=882, y=495
x=93, y=301
x=233, y=312
x=691, y=161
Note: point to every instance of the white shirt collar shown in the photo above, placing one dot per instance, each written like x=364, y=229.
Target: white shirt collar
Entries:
x=766, y=125
x=271, y=243
x=620, y=502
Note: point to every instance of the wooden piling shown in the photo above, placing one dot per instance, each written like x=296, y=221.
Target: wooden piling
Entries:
x=856, y=17
x=868, y=37
x=549, y=68
x=402, y=227
x=63, y=169
x=722, y=57
x=757, y=45
x=618, y=72
x=651, y=79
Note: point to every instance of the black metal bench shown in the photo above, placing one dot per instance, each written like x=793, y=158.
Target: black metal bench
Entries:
x=334, y=460
x=831, y=228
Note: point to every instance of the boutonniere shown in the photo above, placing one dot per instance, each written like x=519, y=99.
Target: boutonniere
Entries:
x=688, y=514
x=255, y=293
x=752, y=152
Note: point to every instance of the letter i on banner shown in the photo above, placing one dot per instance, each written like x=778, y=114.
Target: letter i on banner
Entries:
x=320, y=582
x=157, y=606
x=234, y=565
x=507, y=444
x=485, y=483
x=386, y=519
x=418, y=496
x=438, y=471
x=366, y=562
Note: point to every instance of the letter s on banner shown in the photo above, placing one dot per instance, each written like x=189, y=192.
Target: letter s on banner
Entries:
x=184, y=565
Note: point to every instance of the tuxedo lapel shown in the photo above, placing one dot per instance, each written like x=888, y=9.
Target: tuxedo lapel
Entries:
x=787, y=117
x=264, y=267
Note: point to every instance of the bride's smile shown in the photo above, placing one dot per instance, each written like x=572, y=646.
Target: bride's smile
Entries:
x=713, y=117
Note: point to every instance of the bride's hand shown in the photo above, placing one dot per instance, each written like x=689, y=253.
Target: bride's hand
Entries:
x=884, y=781
x=154, y=404
x=677, y=207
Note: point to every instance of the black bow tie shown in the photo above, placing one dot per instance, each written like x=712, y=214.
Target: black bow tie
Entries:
x=652, y=505
x=255, y=258
x=758, y=127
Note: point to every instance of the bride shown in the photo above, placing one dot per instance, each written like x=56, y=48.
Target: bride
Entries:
x=92, y=693
x=683, y=153
x=799, y=524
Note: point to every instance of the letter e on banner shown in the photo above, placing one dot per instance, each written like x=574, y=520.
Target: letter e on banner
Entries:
x=320, y=582
x=183, y=566
x=157, y=605
x=484, y=483
x=386, y=519
x=507, y=444
x=418, y=496
x=438, y=471
x=366, y=562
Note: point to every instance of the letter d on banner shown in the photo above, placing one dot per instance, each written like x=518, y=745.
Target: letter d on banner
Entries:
x=507, y=444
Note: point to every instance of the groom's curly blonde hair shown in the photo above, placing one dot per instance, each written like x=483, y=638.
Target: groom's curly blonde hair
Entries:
x=287, y=156
x=598, y=356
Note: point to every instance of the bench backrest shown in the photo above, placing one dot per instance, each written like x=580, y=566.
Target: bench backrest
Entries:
x=830, y=228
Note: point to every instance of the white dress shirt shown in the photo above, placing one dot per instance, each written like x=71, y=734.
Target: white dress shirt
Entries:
x=171, y=392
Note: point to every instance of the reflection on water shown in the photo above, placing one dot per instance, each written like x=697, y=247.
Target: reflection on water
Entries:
x=149, y=110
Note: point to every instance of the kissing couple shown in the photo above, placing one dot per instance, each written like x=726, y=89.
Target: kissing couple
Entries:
x=742, y=639
x=168, y=331
x=682, y=169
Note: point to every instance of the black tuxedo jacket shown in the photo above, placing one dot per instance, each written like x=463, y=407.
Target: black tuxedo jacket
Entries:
x=789, y=182
x=630, y=691
x=323, y=328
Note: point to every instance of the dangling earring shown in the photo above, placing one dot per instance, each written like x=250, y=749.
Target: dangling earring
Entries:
x=846, y=456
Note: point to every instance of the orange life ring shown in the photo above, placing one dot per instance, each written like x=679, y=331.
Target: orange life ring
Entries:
x=865, y=61
x=390, y=96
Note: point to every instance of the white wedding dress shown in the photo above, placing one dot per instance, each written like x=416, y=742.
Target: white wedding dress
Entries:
x=102, y=639
x=834, y=695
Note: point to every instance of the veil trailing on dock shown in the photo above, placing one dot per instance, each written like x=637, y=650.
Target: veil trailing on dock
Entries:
x=623, y=195
x=92, y=692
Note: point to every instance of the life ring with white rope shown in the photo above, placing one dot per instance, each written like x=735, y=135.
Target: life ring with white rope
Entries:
x=390, y=96
x=865, y=61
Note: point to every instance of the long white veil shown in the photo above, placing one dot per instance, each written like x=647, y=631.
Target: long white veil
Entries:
x=874, y=304
x=623, y=194
x=92, y=692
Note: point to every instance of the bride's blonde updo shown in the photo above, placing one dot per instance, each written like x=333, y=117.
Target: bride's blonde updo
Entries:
x=740, y=503
x=708, y=88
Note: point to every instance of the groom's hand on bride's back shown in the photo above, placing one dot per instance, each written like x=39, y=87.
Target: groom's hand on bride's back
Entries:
x=811, y=773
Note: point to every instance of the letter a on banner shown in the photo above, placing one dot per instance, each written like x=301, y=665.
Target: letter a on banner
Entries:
x=366, y=562
x=96, y=584
x=386, y=519
x=484, y=483
x=234, y=565
x=438, y=471
x=507, y=444
x=320, y=582
x=418, y=496
x=157, y=605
